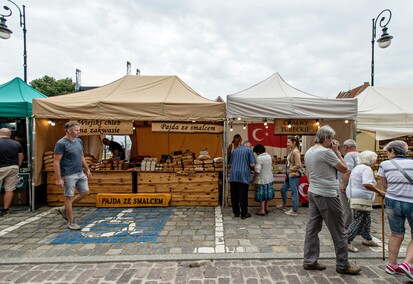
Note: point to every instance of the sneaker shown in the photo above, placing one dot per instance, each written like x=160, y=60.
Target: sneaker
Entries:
x=407, y=269
x=281, y=207
x=390, y=269
x=351, y=269
x=351, y=248
x=315, y=266
x=72, y=225
x=246, y=216
x=370, y=243
x=291, y=213
x=62, y=212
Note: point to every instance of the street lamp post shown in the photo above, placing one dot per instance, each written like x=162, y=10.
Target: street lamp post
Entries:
x=384, y=41
x=5, y=32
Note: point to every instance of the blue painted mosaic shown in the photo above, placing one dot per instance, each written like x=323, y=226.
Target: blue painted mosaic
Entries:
x=113, y=225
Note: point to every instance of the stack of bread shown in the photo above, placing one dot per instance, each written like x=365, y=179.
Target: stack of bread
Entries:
x=48, y=158
x=218, y=163
x=188, y=161
x=206, y=164
x=118, y=165
x=177, y=162
x=107, y=164
x=168, y=165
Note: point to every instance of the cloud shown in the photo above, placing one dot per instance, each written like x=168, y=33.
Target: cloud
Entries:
x=217, y=47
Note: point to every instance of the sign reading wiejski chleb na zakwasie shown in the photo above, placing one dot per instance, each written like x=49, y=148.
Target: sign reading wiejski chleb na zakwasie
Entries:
x=105, y=127
x=298, y=126
x=187, y=127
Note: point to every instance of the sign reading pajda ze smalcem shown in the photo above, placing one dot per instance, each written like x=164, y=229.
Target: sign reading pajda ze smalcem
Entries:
x=97, y=126
x=132, y=200
x=298, y=126
x=186, y=127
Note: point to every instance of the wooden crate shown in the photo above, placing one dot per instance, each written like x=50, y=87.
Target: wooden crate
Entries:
x=201, y=189
x=101, y=182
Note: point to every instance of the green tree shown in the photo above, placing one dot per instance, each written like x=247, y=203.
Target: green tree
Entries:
x=50, y=87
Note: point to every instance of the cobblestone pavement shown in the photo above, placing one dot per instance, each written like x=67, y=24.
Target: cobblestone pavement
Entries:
x=195, y=272
x=173, y=245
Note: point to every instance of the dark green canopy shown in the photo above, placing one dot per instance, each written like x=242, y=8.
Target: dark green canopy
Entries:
x=16, y=99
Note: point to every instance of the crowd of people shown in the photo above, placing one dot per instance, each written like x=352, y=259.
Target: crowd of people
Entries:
x=334, y=180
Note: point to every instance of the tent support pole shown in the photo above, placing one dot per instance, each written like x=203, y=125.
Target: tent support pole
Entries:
x=33, y=163
x=29, y=161
x=225, y=173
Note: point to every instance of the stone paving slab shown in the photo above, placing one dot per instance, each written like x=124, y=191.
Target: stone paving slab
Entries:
x=172, y=233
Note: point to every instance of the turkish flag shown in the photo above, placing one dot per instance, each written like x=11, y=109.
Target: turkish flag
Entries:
x=258, y=134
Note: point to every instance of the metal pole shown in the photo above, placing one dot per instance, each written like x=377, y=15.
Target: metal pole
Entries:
x=372, y=51
x=24, y=42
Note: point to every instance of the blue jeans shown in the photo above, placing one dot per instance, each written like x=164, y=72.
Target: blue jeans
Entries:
x=397, y=213
x=292, y=183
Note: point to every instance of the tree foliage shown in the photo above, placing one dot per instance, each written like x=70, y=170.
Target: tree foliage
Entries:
x=50, y=87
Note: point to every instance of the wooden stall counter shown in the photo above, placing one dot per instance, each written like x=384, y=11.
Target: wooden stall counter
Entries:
x=196, y=189
x=101, y=182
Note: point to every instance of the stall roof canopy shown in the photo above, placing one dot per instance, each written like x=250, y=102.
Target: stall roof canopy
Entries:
x=386, y=111
x=274, y=98
x=152, y=98
x=16, y=98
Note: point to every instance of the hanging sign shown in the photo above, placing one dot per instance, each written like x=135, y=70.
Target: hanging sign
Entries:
x=298, y=126
x=105, y=127
x=408, y=139
x=183, y=127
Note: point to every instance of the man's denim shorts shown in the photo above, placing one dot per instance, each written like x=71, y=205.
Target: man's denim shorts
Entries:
x=397, y=213
x=78, y=180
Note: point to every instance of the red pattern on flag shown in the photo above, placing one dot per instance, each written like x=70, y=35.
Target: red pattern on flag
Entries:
x=258, y=134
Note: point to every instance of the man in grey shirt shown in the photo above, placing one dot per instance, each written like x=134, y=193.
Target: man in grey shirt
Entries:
x=351, y=157
x=322, y=161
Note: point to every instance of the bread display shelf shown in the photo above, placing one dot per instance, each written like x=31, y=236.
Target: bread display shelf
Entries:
x=198, y=189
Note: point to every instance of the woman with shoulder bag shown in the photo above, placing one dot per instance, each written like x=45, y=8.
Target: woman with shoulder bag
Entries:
x=362, y=185
x=293, y=175
x=396, y=174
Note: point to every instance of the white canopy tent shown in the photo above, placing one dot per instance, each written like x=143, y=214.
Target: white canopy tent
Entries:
x=273, y=98
x=386, y=111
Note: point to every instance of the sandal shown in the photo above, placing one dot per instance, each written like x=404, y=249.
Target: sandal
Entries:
x=370, y=243
x=260, y=213
x=351, y=248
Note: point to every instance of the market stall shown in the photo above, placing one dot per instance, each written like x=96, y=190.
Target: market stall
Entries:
x=15, y=113
x=272, y=108
x=387, y=112
x=162, y=115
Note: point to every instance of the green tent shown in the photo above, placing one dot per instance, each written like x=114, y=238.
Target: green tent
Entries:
x=16, y=102
x=16, y=99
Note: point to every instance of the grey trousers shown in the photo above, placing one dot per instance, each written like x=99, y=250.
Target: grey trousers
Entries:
x=329, y=210
x=347, y=211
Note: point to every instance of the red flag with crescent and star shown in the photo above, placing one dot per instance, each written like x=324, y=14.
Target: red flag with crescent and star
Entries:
x=258, y=134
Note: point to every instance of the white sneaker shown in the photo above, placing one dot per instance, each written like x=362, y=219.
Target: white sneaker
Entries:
x=72, y=225
x=291, y=213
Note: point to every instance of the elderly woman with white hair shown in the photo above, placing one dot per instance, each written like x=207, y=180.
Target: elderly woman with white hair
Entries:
x=396, y=175
x=362, y=185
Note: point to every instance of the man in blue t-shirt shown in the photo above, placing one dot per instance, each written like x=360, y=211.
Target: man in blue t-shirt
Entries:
x=242, y=161
x=11, y=158
x=68, y=168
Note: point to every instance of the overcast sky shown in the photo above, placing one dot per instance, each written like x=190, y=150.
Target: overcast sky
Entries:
x=217, y=47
